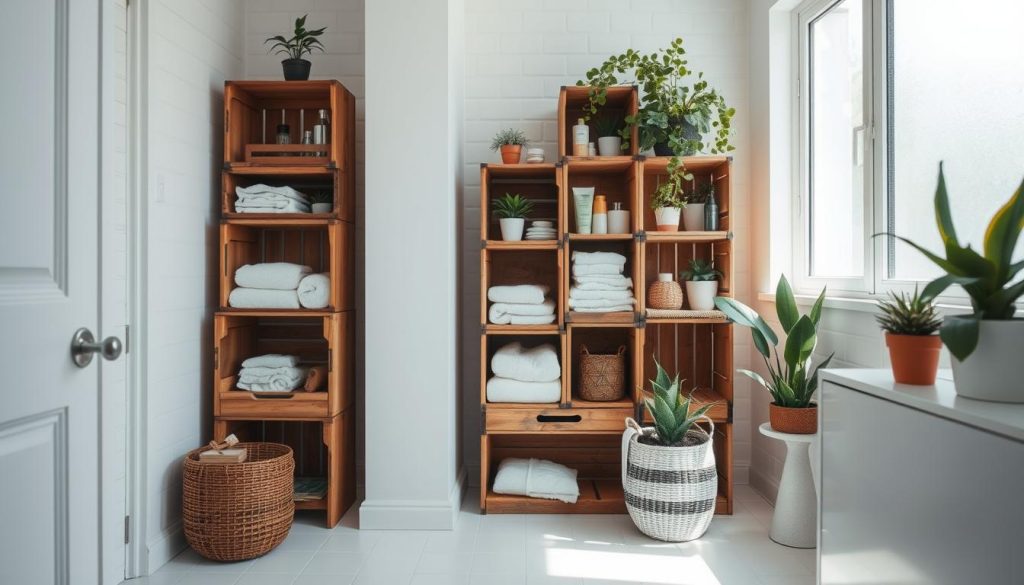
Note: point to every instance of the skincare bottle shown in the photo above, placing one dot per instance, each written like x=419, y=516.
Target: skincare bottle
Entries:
x=322, y=130
x=711, y=213
x=599, y=222
x=618, y=220
x=580, y=138
x=583, y=202
x=591, y=149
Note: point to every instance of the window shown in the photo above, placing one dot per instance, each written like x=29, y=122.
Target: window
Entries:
x=887, y=89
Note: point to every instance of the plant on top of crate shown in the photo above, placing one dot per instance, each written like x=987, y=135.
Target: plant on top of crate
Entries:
x=910, y=323
x=667, y=200
x=609, y=143
x=684, y=497
x=510, y=142
x=701, y=284
x=511, y=211
x=791, y=380
x=304, y=42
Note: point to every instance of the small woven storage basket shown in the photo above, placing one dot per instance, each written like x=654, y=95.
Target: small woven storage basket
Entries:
x=670, y=491
x=602, y=376
x=238, y=511
x=664, y=294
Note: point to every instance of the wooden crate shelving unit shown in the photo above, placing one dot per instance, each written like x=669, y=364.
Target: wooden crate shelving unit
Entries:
x=319, y=426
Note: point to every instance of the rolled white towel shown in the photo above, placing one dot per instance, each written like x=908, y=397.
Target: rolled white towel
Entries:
x=600, y=303
x=283, y=379
x=507, y=390
x=260, y=190
x=592, y=269
x=581, y=258
x=283, y=206
x=537, y=478
x=535, y=364
x=611, y=309
x=523, y=293
x=271, y=275
x=502, y=313
x=616, y=280
x=271, y=360
x=315, y=291
x=261, y=298
x=608, y=295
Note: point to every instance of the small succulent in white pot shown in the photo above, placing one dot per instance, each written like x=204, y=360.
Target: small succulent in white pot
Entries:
x=701, y=284
x=511, y=211
x=321, y=202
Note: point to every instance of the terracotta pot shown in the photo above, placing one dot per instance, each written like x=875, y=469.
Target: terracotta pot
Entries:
x=510, y=153
x=796, y=421
x=667, y=218
x=915, y=358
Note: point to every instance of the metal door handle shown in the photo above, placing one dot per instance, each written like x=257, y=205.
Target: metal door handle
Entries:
x=84, y=346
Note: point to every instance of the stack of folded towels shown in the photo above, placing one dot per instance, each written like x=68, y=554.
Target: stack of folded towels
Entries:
x=525, y=375
x=598, y=283
x=524, y=304
x=280, y=285
x=266, y=199
x=541, y=230
x=271, y=373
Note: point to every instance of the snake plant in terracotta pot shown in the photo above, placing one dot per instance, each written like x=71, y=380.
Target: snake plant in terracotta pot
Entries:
x=910, y=323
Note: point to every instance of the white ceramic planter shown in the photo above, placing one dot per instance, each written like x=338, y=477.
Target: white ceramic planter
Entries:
x=693, y=217
x=992, y=371
x=700, y=295
x=609, y=146
x=323, y=207
x=512, y=228
x=667, y=218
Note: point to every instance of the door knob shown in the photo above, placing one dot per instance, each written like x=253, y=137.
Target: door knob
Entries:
x=84, y=346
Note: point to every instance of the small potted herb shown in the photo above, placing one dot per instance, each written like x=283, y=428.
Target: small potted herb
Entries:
x=609, y=143
x=302, y=43
x=321, y=201
x=667, y=201
x=701, y=284
x=510, y=142
x=693, y=213
x=511, y=211
x=910, y=323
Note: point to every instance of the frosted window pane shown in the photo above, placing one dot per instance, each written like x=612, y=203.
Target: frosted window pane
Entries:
x=836, y=129
x=958, y=97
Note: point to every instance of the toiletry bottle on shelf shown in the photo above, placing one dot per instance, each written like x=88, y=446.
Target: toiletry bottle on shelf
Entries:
x=591, y=149
x=580, y=138
x=618, y=219
x=599, y=221
x=711, y=213
x=322, y=130
x=307, y=138
x=284, y=135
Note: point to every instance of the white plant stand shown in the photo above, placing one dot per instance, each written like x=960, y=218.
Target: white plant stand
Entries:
x=795, y=520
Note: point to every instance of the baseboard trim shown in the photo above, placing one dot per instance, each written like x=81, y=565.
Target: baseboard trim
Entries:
x=414, y=514
x=764, y=484
x=165, y=547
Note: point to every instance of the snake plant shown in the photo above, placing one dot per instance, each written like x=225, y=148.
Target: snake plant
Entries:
x=671, y=410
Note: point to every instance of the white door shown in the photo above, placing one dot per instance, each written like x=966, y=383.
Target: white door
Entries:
x=49, y=177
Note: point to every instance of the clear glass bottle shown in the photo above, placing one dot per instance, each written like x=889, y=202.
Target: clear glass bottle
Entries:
x=307, y=138
x=322, y=129
x=711, y=212
x=284, y=135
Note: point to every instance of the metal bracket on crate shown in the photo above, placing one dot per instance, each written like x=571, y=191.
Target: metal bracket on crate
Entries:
x=332, y=166
x=729, y=235
x=226, y=166
x=640, y=236
x=565, y=405
x=566, y=319
x=561, y=241
x=483, y=244
x=639, y=322
x=483, y=419
x=640, y=157
x=483, y=329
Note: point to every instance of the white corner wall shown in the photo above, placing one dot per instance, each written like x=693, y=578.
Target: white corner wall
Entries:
x=413, y=162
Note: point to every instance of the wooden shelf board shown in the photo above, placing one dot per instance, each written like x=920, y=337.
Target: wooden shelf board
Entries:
x=600, y=237
x=551, y=329
x=625, y=402
x=686, y=237
x=698, y=163
x=276, y=220
x=719, y=413
x=276, y=312
x=320, y=504
x=519, y=405
x=597, y=496
x=616, y=318
x=599, y=164
x=265, y=169
x=683, y=321
x=499, y=170
x=521, y=245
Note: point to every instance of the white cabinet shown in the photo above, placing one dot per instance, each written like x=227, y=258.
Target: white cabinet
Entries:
x=918, y=486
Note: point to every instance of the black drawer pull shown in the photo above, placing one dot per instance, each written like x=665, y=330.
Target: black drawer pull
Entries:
x=559, y=418
x=274, y=396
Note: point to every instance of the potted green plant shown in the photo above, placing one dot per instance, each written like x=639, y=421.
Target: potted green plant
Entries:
x=701, y=284
x=667, y=200
x=321, y=201
x=511, y=211
x=673, y=506
x=910, y=323
x=303, y=42
x=510, y=142
x=985, y=344
x=609, y=143
x=791, y=380
x=693, y=213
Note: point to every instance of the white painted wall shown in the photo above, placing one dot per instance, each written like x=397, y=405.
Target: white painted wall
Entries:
x=193, y=46
x=518, y=55
x=412, y=171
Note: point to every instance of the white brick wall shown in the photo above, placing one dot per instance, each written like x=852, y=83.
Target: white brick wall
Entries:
x=518, y=57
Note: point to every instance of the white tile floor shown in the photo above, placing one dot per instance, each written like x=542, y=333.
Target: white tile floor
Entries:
x=513, y=550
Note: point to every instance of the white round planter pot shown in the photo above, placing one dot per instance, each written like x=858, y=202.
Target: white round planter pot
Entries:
x=609, y=146
x=992, y=371
x=700, y=295
x=323, y=207
x=667, y=218
x=512, y=228
x=693, y=217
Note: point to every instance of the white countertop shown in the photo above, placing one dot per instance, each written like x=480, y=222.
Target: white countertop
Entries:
x=941, y=400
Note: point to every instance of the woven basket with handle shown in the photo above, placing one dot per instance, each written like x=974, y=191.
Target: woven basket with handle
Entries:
x=602, y=376
x=238, y=511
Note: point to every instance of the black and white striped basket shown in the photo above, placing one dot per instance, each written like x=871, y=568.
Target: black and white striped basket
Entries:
x=670, y=491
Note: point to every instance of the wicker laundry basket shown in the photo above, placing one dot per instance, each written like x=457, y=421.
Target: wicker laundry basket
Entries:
x=670, y=491
x=238, y=511
x=602, y=376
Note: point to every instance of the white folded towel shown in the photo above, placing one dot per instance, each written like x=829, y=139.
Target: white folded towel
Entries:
x=600, y=303
x=522, y=293
x=261, y=298
x=271, y=275
x=608, y=295
x=502, y=313
x=537, y=478
x=271, y=360
x=598, y=287
x=283, y=206
x=506, y=390
x=592, y=269
x=616, y=281
x=266, y=191
x=315, y=291
x=260, y=379
x=535, y=364
x=581, y=258
x=611, y=309
x=507, y=319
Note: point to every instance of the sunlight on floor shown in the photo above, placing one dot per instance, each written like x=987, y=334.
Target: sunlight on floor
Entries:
x=628, y=567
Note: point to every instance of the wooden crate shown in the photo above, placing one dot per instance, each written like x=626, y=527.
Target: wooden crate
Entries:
x=306, y=180
x=616, y=179
x=253, y=109
x=322, y=447
x=540, y=183
x=673, y=256
x=319, y=340
x=323, y=245
x=490, y=343
x=500, y=267
x=704, y=168
x=632, y=269
x=621, y=101
x=602, y=340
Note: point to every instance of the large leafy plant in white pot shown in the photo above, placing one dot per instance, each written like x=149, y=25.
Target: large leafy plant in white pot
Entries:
x=986, y=344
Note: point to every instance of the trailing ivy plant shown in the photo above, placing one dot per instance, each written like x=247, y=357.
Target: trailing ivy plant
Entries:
x=670, y=193
x=302, y=43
